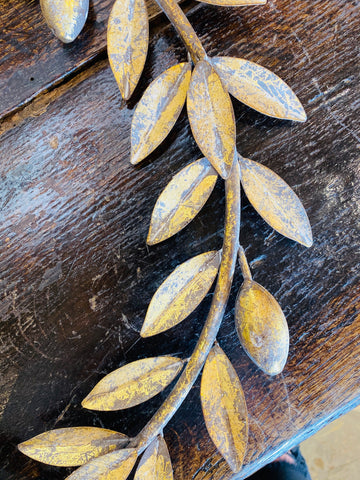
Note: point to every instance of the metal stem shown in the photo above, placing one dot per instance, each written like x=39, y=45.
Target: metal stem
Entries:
x=245, y=269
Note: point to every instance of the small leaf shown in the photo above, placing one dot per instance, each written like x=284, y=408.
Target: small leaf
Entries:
x=275, y=201
x=113, y=466
x=234, y=3
x=182, y=200
x=65, y=19
x=259, y=88
x=262, y=327
x=70, y=447
x=127, y=41
x=133, y=383
x=155, y=463
x=158, y=110
x=224, y=408
x=181, y=293
x=211, y=118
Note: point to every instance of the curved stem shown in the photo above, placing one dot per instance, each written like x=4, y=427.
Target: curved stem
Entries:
x=184, y=28
x=245, y=269
x=213, y=321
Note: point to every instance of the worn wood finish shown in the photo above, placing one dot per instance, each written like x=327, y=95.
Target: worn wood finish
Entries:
x=76, y=275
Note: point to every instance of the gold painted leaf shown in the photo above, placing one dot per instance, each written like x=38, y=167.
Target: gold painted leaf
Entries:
x=70, y=447
x=181, y=293
x=155, y=463
x=113, y=466
x=127, y=43
x=181, y=200
x=259, y=88
x=211, y=118
x=133, y=383
x=224, y=408
x=234, y=3
x=158, y=110
x=262, y=327
x=275, y=201
x=65, y=19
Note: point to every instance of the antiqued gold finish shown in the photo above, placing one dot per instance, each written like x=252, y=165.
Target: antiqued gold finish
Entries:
x=65, y=18
x=181, y=200
x=181, y=293
x=262, y=327
x=133, y=383
x=155, y=463
x=224, y=408
x=71, y=447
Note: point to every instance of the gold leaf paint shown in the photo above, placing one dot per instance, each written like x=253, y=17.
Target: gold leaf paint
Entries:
x=181, y=293
x=259, y=88
x=262, y=327
x=211, y=118
x=275, y=201
x=155, y=463
x=65, y=18
x=70, y=447
x=158, y=110
x=234, y=3
x=224, y=408
x=181, y=200
x=113, y=466
x=127, y=42
x=133, y=383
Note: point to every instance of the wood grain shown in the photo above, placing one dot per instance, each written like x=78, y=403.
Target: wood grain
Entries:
x=76, y=275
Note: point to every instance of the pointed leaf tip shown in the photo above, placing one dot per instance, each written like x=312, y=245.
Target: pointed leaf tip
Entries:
x=65, y=19
x=155, y=463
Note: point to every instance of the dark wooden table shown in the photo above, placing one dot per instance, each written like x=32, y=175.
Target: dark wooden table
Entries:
x=76, y=276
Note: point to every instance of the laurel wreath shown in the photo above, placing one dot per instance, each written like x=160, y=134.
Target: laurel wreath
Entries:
x=204, y=83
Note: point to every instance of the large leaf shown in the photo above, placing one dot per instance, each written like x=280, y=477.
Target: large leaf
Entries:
x=155, y=463
x=262, y=327
x=259, y=88
x=133, y=383
x=127, y=41
x=275, y=201
x=182, y=200
x=224, y=408
x=158, y=110
x=113, y=466
x=211, y=118
x=70, y=447
x=65, y=19
x=233, y=3
x=181, y=293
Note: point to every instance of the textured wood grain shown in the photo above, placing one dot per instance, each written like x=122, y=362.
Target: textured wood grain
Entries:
x=76, y=276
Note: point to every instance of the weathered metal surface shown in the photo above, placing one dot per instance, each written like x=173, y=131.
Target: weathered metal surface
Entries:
x=181, y=200
x=211, y=118
x=158, y=110
x=182, y=291
x=133, y=383
x=65, y=18
x=262, y=327
x=275, y=201
x=113, y=466
x=224, y=408
x=74, y=446
x=155, y=463
x=127, y=43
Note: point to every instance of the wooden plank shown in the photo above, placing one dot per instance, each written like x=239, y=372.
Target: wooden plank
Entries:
x=77, y=277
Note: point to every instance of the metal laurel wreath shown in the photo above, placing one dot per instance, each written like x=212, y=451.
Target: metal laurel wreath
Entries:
x=204, y=83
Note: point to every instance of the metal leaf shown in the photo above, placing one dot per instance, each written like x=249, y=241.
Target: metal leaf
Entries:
x=259, y=88
x=65, y=19
x=70, y=447
x=262, y=327
x=127, y=41
x=234, y=3
x=181, y=293
x=211, y=118
x=133, y=383
x=113, y=466
x=275, y=201
x=158, y=110
x=155, y=463
x=224, y=408
x=181, y=200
